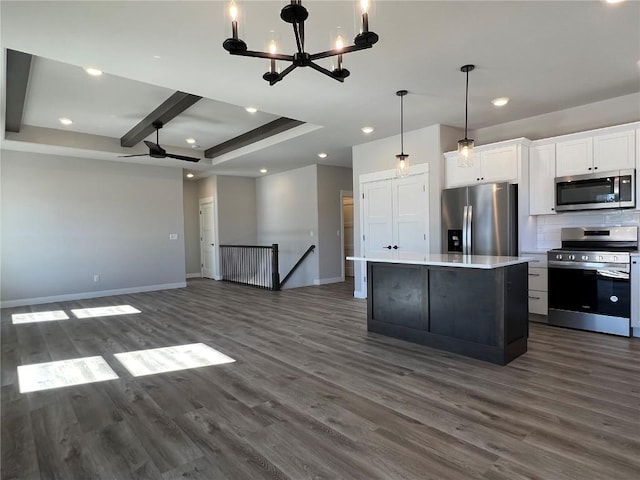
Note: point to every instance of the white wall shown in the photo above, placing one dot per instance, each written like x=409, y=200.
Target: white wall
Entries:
x=425, y=145
x=191, y=228
x=331, y=180
x=615, y=111
x=65, y=220
x=287, y=211
x=237, y=211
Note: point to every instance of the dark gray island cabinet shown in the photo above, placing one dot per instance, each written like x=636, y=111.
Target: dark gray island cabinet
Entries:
x=472, y=305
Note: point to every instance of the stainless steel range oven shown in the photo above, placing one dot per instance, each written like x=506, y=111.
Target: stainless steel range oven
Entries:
x=589, y=286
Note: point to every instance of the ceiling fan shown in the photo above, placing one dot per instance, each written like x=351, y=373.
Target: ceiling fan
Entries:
x=156, y=151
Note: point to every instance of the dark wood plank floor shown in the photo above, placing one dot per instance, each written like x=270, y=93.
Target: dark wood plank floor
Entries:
x=312, y=395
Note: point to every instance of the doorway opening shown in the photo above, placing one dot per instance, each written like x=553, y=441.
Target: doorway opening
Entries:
x=346, y=215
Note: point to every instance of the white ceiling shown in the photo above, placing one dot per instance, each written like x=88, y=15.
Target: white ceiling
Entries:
x=544, y=55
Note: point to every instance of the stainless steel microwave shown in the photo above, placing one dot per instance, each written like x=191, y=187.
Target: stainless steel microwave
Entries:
x=593, y=191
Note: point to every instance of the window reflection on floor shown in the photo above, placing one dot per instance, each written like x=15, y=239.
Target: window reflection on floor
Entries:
x=34, y=317
x=104, y=311
x=63, y=373
x=169, y=359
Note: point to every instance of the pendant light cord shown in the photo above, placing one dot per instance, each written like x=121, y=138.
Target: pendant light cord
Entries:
x=466, y=106
x=402, y=124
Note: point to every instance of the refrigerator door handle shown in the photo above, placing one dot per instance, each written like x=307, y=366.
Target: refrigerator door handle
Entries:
x=464, y=230
x=469, y=229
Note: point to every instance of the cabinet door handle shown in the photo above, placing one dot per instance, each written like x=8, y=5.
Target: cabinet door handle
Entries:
x=534, y=274
x=534, y=298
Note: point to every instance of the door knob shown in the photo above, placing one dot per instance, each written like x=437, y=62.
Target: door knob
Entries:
x=387, y=247
x=395, y=247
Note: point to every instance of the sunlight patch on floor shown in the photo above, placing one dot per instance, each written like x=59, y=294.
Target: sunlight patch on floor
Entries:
x=34, y=317
x=63, y=373
x=104, y=311
x=170, y=359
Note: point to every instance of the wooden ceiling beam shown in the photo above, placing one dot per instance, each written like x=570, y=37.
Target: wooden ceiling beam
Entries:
x=170, y=108
x=267, y=130
x=18, y=70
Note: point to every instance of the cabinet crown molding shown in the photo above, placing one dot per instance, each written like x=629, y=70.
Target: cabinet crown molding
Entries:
x=491, y=146
x=586, y=133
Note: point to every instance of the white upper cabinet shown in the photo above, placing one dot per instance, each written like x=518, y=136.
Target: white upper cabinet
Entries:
x=491, y=163
x=460, y=176
x=542, y=171
x=615, y=151
x=574, y=157
x=598, y=152
x=499, y=165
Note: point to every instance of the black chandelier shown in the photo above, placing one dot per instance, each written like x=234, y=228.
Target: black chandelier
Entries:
x=296, y=14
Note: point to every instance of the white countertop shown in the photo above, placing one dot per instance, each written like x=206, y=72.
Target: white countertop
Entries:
x=445, y=260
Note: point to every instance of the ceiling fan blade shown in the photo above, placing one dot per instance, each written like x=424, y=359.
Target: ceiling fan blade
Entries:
x=151, y=145
x=182, y=157
x=138, y=155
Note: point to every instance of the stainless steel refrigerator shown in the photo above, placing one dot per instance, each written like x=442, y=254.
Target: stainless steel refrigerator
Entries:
x=480, y=220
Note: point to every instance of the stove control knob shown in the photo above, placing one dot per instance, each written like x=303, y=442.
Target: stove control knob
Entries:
x=585, y=257
x=558, y=257
x=572, y=257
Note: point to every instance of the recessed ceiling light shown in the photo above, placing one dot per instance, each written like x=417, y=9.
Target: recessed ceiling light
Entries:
x=65, y=121
x=189, y=175
x=263, y=170
x=157, y=57
x=615, y=1
x=190, y=141
x=367, y=130
x=322, y=155
x=251, y=109
x=94, y=72
x=500, y=102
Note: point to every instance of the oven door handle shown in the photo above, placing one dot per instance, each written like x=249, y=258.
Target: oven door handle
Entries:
x=617, y=274
x=555, y=264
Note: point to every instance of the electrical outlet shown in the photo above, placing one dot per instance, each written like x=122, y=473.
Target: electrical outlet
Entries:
x=96, y=278
x=173, y=236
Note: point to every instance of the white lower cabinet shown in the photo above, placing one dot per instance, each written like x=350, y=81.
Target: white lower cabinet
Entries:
x=538, y=283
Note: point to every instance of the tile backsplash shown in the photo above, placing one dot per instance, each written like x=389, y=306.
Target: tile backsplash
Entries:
x=549, y=226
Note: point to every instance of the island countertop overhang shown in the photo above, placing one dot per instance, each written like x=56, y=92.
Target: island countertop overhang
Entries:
x=445, y=260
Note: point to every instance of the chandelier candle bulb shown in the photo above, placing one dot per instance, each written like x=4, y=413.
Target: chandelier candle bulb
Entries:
x=365, y=15
x=339, y=46
x=233, y=13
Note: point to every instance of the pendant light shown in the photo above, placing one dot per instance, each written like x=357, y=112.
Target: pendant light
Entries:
x=465, y=146
x=402, y=164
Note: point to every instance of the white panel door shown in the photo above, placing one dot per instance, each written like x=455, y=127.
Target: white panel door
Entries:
x=377, y=217
x=207, y=240
x=410, y=214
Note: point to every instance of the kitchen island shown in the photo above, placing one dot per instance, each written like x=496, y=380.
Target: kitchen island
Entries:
x=473, y=305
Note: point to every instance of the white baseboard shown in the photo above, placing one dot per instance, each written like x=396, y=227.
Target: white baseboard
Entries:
x=84, y=295
x=194, y=275
x=324, y=281
x=359, y=294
